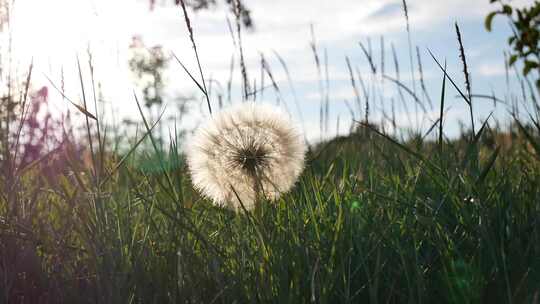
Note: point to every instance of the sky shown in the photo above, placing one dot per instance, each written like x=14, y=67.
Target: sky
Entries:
x=55, y=33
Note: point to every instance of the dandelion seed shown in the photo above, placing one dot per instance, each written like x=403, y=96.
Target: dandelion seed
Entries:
x=253, y=150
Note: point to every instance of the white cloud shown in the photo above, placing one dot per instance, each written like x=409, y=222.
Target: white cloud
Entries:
x=54, y=31
x=491, y=69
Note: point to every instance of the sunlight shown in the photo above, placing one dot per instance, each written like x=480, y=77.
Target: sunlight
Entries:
x=58, y=29
x=54, y=33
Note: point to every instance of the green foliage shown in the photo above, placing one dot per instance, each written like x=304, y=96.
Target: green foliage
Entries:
x=373, y=219
x=525, y=41
x=148, y=65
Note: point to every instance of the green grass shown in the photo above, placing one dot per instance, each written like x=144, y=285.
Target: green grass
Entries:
x=373, y=218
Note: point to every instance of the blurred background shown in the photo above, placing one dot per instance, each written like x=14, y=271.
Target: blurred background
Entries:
x=295, y=53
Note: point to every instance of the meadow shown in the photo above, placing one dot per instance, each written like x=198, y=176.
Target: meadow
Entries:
x=376, y=216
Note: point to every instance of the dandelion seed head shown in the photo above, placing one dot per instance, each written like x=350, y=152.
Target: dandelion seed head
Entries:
x=250, y=149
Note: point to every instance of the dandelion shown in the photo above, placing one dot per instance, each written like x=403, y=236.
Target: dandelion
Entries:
x=248, y=152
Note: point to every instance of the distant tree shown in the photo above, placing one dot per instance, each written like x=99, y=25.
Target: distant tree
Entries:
x=148, y=65
x=234, y=5
x=525, y=41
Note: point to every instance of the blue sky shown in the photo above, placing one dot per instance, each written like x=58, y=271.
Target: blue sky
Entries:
x=281, y=26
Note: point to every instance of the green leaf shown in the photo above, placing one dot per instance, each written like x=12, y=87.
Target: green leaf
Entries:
x=489, y=20
x=507, y=9
x=530, y=138
x=512, y=59
x=424, y=220
x=441, y=114
x=489, y=165
x=529, y=65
